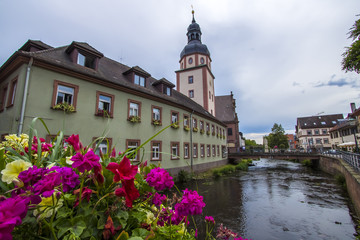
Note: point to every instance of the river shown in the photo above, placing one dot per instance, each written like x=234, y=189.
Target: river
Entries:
x=279, y=200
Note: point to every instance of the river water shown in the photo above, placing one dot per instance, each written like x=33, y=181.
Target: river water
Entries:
x=279, y=200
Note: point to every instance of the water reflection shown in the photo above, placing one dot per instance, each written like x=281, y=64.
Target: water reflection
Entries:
x=278, y=200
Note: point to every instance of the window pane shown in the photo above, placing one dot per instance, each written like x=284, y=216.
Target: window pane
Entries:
x=156, y=113
x=60, y=98
x=65, y=89
x=174, y=118
x=81, y=59
x=137, y=80
x=142, y=81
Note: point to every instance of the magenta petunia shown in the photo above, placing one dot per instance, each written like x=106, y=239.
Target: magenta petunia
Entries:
x=12, y=211
x=86, y=162
x=160, y=179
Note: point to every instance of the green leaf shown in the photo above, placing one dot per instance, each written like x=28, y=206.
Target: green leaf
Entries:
x=122, y=217
x=123, y=236
x=75, y=225
x=140, y=232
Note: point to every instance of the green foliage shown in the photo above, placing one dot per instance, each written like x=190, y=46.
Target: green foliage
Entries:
x=340, y=179
x=183, y=176
x=277, y=137
x=307, y=163
x=134, y=119
x=250, y=143
x=243, y=166
x=351, y=60
x=68, y=108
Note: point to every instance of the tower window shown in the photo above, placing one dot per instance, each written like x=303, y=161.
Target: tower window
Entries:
x=191, y=93
x=202, y=61
x=191, y=79
x=190, y=60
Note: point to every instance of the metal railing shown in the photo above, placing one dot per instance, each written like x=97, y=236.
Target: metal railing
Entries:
x=351, y=158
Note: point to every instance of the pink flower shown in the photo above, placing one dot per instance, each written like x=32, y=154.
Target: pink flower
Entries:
x=12, y=211
x=191, y=204
x=123, y=171
x=74, y=141
x=158, y=199
x=86, y=162
x=129, y=191
x=209, y=219
x=160, y=179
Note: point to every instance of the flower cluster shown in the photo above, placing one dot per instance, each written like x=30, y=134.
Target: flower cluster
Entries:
x=77, y=196
x=160, y=179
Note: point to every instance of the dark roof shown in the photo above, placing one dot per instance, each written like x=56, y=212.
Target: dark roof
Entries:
x=108, y=71
x=84, y=46
x=225, y=108
x=39, y=45
x=163, y=81
x=323, y=121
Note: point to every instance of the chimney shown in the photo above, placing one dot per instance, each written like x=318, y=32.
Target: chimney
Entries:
x=353, y=107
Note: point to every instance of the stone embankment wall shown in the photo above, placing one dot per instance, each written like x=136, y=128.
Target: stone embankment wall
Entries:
x=336, y=166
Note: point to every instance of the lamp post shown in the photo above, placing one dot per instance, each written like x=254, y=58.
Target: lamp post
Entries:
x=353, y=123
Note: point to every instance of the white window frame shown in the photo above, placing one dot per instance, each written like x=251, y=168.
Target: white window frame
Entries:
x=155, y=151
x=133, y=109
x=103, y=102
x=65, y=91
x=139, y=80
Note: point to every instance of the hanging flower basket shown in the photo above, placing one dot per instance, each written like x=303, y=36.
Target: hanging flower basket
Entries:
x=134, y=119
x=156, y=122
x=175, y=125
x=68, y=108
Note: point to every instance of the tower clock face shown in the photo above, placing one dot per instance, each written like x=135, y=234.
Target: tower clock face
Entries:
x=202, y=60
x=190, y=60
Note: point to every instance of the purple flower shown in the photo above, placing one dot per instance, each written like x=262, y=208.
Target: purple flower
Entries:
x=86, y=162
x=32, y=175
x=160, y=179
x=191, y=204
x=158, y=199
x=12, y=211
x=46, y=186
x=69, y=178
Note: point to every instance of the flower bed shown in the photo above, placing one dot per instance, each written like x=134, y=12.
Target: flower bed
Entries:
x=55, y=192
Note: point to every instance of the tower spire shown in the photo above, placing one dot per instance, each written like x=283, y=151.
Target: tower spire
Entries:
x=193, y=14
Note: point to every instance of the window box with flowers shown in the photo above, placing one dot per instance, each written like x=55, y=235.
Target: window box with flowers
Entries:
x=202, y=131
x=175, y=125
x=187, y=128
x=208, y=132
x=156, y=122
x=66, y=107
x=103, y=113
x=195, y=129
x=134, y=119
x=218, y=135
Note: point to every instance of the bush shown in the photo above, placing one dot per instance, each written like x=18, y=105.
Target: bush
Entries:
x=227, y=169
x=243, y=166
x=216, y=173
x=183, y=176
x=307, y=163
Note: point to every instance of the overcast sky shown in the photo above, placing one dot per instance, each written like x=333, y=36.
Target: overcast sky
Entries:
x=280, y=58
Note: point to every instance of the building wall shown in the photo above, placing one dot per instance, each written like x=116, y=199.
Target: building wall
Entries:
x=118, y=128
x=9, y=117
x=305, y=138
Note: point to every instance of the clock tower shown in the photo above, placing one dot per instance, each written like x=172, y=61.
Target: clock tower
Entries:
x=195, y=79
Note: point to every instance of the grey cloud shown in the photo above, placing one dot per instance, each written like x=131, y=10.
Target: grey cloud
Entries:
x=338, y=83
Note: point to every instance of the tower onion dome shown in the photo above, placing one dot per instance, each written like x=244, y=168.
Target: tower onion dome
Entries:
x=194, y=40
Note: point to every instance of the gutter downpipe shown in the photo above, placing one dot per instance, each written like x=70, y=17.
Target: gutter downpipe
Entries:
x=21, y=123
x=191, y=144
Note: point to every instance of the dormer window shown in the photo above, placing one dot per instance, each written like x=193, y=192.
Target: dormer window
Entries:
x=85, y=61
x=167, y=91
x=81, y=59
x=138, y=80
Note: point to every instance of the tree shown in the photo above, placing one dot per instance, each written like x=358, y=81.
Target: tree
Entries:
x=277, y=137
x=249, y=143
x=351, y=60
